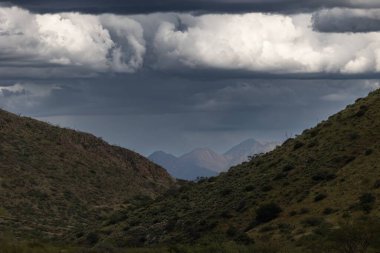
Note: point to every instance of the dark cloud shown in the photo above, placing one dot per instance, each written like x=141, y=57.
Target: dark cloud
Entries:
x=147, y=113
x=346, y=20
x=200, y=6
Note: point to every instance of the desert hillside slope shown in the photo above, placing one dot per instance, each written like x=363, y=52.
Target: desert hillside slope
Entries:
x=325, y=175
x=55, y=180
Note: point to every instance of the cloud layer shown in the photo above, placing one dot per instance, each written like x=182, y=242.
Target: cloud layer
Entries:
x=99, y=43
x=347, y=20
x=74, y=44
x=266, y=43
x=198, y=6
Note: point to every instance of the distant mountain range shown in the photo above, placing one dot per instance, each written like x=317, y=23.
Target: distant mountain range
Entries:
x=204, y=162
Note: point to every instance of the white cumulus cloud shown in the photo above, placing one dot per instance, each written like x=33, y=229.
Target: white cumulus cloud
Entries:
x=270, y=43
x=69, y=44
x=99, y=43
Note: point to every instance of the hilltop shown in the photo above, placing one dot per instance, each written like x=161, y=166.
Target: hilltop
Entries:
x=327, y=175
x=55, y=181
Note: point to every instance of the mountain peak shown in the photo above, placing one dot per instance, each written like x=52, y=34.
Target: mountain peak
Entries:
x=160, y=154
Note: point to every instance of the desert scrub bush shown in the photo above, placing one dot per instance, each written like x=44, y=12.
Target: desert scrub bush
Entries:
x=304, y=210
x=362, y=110
x=366, y=202
x=267, y=212
x=323, y=176
x=312, y=221
x=225, y=192
x=92, y=238
x=328, y=211
x=288, y=167
x=368, y=152
x=266, y=188
x=376, y=184
x=249, y=188
x=319, y=197
x=353, y=136
x=298, y=145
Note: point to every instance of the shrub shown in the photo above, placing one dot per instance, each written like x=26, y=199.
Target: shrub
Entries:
x=323, y=176
x=376, y=185
x=368, y=152
x=320, y=197
x=288, y=167
x=312, y=221
x=280, y=176
x=363, y=109
x=225, y=192
x=267, y=188
x=241, y=206
x=267, y=212
x=298, y=145
x=249, y=188
x=231, y=231
x=243, y=238
x=328, y=211
x=366, y=202
x=304, y=210
x=353, y=136
x=92, y=238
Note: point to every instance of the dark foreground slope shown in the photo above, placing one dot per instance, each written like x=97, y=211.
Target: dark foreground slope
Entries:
x=328, y=174
x=53, y=181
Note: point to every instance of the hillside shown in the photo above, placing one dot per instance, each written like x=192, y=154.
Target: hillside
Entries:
x=54, y=181
x=324, y=176
x=204, y=162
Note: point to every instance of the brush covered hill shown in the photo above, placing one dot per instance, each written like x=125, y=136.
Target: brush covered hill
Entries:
x=54, y=180
x=326, y=175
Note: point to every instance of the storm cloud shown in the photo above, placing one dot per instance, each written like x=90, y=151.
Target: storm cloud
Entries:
x=347, y=20
x=74, y=44
x=197, y=6
x=86, y=42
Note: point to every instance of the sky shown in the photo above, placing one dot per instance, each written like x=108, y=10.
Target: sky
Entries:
x=174, y=75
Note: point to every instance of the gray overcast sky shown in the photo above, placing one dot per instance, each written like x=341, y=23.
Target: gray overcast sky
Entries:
x=174, y=75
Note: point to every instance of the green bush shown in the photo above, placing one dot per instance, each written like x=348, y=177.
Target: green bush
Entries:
x=328, y=211
x=312, y=221
x=267, y=212
x=288, y=167
x=319, y=197
x=366, y=202
x=323, y=176
x=92, y=238
x=376, y=185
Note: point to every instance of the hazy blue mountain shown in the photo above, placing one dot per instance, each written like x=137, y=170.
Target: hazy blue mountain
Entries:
x=204, y=162
x=205, y=158
x=242, y=151
x=178, y=168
